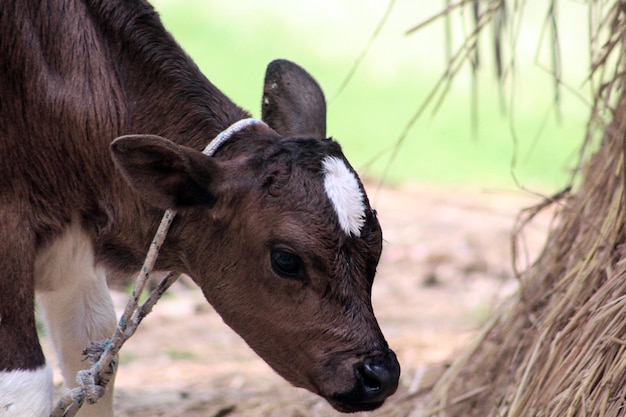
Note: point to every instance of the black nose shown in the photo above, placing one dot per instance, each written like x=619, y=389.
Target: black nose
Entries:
x=376, y=379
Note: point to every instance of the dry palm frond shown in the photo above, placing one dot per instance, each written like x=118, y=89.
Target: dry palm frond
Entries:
x=365, y=50
x=558, y=348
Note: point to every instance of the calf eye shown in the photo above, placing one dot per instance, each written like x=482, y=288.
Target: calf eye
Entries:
x=287, y=264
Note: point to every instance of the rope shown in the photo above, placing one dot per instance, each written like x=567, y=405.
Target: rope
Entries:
x=213, y=146
x=93, y=381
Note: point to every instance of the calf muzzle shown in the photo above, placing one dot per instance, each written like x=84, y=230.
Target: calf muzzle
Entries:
x=376, y=378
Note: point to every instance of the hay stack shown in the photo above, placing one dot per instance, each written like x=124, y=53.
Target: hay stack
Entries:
x=559, y=347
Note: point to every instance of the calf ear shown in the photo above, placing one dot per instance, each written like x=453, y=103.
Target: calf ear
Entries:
x=164, y=174
x=293, y=103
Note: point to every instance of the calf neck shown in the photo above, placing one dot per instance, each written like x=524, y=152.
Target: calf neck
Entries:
x=275, y=228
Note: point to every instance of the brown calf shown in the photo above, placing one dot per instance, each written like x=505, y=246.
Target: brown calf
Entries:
x=276, y=228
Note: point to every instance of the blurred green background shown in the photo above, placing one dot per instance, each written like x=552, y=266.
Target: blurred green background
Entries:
x=232, y=42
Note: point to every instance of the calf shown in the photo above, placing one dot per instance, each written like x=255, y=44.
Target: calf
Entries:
x=276, y=228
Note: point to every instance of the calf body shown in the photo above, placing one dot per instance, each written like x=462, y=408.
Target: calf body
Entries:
x=275, y=228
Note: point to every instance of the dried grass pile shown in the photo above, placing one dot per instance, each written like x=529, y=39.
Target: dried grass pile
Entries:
x=559, y=347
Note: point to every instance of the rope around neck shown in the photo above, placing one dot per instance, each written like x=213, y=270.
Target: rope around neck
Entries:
x=223, y=136
x=93, y=381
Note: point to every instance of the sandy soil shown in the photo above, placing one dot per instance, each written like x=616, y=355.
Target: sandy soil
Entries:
x=445, y=267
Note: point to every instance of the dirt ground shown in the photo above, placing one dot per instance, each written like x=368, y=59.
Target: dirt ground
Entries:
x=445, y=267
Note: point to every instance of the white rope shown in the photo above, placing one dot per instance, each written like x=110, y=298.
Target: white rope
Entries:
x=93, y=381
x=214, y=145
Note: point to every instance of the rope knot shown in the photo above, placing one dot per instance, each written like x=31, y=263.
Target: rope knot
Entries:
x=92, y=392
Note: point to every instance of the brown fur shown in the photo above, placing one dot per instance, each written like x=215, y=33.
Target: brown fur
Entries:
x=77, y=74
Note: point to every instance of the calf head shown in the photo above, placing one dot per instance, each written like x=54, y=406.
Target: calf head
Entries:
x=278, y=232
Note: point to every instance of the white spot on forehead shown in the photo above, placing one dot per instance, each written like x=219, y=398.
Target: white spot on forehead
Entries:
x=344, y=192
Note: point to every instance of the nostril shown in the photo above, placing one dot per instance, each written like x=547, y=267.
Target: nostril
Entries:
x=371, y=376
x=378, y=379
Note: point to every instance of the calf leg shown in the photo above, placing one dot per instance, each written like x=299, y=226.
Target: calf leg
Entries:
x=26, y=392
x=25, y=379
x=77, y=307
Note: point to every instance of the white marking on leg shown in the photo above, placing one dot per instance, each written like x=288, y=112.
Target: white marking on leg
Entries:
x=77, y=306
x=342, y=188
x=26, y=393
